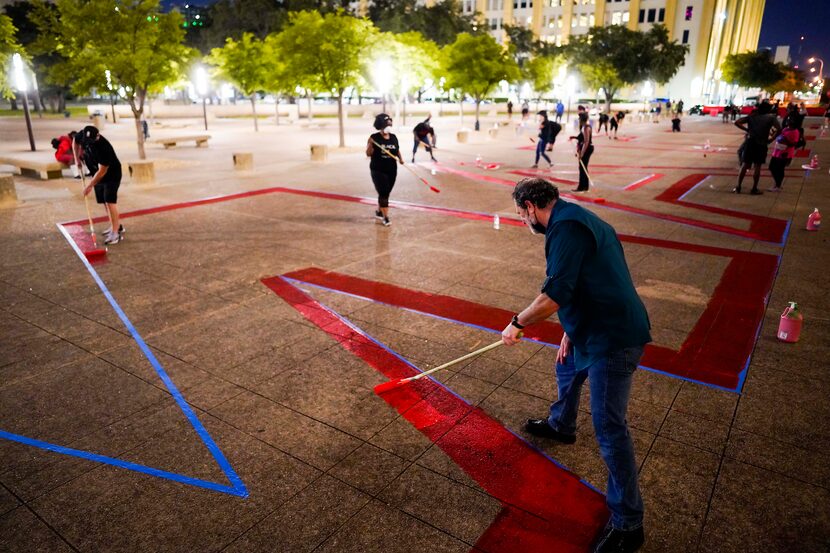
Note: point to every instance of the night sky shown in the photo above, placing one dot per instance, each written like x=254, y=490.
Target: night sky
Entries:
x=786, y=21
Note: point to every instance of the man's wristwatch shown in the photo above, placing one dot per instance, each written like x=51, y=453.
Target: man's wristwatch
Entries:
x=515, y=322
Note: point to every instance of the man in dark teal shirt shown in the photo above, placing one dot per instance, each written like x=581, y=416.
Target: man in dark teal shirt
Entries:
x=606, y=328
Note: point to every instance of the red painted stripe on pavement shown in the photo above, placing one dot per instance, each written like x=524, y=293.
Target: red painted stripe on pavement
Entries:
x=545, y=507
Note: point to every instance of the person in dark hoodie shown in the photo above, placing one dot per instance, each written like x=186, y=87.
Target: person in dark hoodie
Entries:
x=385, y=154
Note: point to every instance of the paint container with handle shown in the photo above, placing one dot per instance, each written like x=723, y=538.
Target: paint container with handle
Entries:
x=789, y=328
x=814, y=221
x=496, y=221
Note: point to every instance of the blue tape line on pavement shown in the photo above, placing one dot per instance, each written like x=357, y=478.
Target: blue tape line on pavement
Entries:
x=237, y=486
x=123, y=464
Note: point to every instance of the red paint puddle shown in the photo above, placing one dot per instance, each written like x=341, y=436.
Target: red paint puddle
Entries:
x=544, y=506
x=80, y=235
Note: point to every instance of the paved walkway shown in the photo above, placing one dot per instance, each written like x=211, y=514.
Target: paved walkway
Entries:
x=209, y=387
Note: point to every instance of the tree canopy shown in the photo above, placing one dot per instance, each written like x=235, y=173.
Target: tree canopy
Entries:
x=476, y=64
x=327, y=52
x=243, y=63
x=614, y=57
x=8, y=47
x=752, y=70
x=441, y=22
x=140, y=46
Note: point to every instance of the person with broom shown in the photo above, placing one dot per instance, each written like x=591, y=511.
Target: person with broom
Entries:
x=385, y=154
x=584, y=150
x=105, y=181
x=606, y=328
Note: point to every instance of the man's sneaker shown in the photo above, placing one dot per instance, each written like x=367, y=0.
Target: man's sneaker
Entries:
x=109, y=231
x=620, y=541
x=113, y=238
x=386, y=221
x=378, y=215
x=413, y=160
x=541, y=428
x=534, y=166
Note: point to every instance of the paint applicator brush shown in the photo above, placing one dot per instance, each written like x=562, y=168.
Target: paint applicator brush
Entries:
x=95, y=252
x=393, y=384
x=407, y=167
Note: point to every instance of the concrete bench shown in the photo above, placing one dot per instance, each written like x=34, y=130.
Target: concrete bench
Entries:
x=319, y=152
x=171, y=141
x=35, y=168
x=8, y=194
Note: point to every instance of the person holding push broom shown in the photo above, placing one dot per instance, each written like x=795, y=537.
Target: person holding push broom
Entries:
x=606, y=327
x=106, y=180
x=385, y=154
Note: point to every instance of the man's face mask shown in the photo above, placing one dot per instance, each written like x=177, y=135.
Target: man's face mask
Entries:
x=528, y=216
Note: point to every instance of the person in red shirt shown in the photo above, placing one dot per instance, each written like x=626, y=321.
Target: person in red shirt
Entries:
x=63, y=153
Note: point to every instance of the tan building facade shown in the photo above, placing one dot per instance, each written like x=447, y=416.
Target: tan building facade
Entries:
x=712, y=29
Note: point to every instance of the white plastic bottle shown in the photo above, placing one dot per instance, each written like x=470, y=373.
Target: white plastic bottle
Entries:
x=496, y=222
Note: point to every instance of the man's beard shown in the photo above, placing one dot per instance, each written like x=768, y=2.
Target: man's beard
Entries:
x=536, y=228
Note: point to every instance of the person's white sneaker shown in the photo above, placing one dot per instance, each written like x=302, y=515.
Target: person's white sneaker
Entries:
x=109, y=231
x=113, y=238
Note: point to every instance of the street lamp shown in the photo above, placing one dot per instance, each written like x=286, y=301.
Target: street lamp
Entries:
x=20, y=83
x=820, y=67
x=570, y=88
x=202, y=89
x=109, y=86
x=383, y=78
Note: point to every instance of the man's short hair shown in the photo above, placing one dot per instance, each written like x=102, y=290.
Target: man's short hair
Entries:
x=537, y=191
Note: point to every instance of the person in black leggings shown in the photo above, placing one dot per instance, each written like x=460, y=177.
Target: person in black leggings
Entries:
x=385, y=154
x=584, y=149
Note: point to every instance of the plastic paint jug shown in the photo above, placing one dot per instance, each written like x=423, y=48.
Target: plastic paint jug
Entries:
x=496, y=222
x=814, y=220
x=814, y=162
x=789, y=328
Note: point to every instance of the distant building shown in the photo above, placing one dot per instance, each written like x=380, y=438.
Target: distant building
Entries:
x=782, y=54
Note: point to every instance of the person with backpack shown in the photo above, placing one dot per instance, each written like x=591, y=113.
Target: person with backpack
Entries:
x=424, y=134
x=547, y=134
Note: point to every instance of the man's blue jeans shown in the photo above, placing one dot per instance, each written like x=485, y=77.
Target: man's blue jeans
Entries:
x=540, y=150
x=610, y=382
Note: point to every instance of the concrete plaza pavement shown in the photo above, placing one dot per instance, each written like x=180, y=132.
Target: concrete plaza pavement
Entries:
x=277, y=307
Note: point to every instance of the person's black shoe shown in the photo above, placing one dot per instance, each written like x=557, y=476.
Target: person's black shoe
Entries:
x=378, y=215
x=541, y=428
x=613, y=540
x=755, y=192
x=736, y=190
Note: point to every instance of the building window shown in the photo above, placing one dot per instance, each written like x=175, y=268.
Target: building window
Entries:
x=616, y=18
x=642, y=16
x=652, y=15
x=685, y=37
x=661, y=16
x=689, y=10
x=626, y=17
x=591, y=20
x=468, y=6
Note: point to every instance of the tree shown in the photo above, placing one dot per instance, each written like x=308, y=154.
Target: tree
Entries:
x=413, y=61
x=440, y=22
x=278, y=80
x=243, y=63
x=752, y=70
x=793, y=81
x=328, y=51
x=476, y=64
x=141, y=47
x=8, y=47
x=233, y=18
x=538, y=72
x=614, y=57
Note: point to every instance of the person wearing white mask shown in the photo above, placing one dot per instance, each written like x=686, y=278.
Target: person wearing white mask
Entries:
x=385, y=154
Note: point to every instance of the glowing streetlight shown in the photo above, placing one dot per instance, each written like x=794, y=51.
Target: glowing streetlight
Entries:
x=383, y=78
x=820, y=67
x=570, y=90
x=202, y=89
x=22, y=86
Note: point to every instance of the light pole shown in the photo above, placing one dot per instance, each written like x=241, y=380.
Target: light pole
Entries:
x=109, y=86
x=647, y=91
x=20, y=83
x=202, y=89
x=820, y=66
x=383, y=79
x=570, y=88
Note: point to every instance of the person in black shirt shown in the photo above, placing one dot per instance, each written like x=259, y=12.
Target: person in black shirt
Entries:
x=385, y=154
x=106, y=180
x=424, y=134
x=584, y=149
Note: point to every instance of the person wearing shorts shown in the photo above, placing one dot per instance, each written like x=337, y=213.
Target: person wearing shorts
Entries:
x=105, y=181
x=385, y=154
